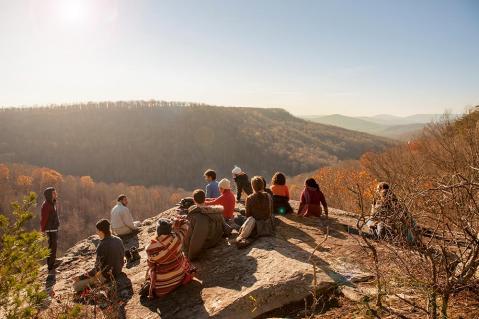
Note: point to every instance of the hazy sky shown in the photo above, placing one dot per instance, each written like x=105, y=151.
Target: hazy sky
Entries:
x=310, y=57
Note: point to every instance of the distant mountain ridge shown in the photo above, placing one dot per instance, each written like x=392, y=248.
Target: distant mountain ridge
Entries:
x=163, y=143
x=385, y=125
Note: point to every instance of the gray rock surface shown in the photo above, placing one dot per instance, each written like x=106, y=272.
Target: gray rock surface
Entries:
x=232, y=283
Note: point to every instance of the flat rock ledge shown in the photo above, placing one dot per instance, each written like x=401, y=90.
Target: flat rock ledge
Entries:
x=231, y=283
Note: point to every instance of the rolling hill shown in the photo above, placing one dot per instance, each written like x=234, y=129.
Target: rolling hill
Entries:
x=385, y=125
x=171, y=144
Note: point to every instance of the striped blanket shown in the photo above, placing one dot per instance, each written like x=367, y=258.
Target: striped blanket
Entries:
x=168, y=266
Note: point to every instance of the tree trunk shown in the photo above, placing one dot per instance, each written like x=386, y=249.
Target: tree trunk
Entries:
x=445, y=304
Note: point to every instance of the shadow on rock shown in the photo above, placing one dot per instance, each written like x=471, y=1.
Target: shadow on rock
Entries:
x=173, y=304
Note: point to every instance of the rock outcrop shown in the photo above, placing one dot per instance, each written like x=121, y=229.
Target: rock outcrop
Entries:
x=231, y=283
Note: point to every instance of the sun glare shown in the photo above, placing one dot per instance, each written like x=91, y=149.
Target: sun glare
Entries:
x=73, y=11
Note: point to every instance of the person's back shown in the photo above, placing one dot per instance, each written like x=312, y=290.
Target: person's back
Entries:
x=227, y=200
x=111, y=254
x=280, y=194
x=212, y=190
x=311, y=201
x=280, y=190
x=242, y=183
x=206, y=229
x=258, y=205
x=168, y=266
x=121, y=220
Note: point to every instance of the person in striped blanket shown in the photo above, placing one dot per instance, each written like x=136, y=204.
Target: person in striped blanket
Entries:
x=168, y=267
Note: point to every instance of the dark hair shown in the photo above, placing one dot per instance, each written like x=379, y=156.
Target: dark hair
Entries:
x=121, y=197
x=199, y=196
x=311, y=182
x=257, y=184
x=278, y=179
x=103, y=225
x=210, y=173
x=163, y=227
x=264, y=181
x=383, y=185
x=48, y=194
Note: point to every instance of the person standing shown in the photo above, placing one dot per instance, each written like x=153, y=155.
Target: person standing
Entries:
x=242, y=182
x=49, y=224
x=212, y=188
x=121, y=220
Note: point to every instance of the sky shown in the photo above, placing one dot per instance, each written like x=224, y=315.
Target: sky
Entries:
x=310, y=57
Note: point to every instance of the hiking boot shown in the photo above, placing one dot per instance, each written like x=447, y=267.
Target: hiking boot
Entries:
x=243, y=243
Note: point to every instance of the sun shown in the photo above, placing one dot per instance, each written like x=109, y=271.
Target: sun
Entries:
x=73, y=11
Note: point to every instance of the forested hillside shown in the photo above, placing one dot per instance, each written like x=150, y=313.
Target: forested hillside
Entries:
x=82, y=201
x=166, y=143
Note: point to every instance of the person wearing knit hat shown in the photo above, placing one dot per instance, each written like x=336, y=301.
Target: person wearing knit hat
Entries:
x=227, y=199
x=163, y=227
x=236, y=170
x=110, y=257
x=169, y=268
x=242, y=182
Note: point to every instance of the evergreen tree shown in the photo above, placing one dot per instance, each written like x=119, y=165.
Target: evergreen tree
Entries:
x=21, y=254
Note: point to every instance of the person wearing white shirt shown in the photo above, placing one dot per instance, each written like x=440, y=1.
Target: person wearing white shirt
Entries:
x=121, y=220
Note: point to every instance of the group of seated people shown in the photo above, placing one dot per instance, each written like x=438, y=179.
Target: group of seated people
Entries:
x=212, y=217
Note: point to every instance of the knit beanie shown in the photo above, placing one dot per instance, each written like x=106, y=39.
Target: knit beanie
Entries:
x=163, y=227
x=103, y=225
x=236, y=170
x=224, y=184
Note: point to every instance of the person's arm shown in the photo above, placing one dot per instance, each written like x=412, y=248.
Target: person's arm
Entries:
x=127, y=218
x=215, y=201
x=208, y=190
x=98, y=262
x=302, y=203
x=239, y=187
x=248, y=204
x=323, y=201
x=181, y=227
x=44, y=217
x=287, y=192
x=197, y=239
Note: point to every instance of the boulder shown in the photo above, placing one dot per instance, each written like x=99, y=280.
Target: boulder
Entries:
x=231, y=283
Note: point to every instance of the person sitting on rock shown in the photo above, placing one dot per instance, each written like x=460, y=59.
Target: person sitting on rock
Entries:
x=227, y=200
x=389, y=218
x=311, y=200
x=280, y=195
x=206, y=226
x=168, y=267
x=382, y=210
x=212, y=188
x=266, y=188
x=110, y=257
x=258, y=220
x=242, y=183
x=122, y=223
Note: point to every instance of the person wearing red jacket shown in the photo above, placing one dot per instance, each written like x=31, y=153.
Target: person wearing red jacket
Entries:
x=227, y=200
x=49, y=223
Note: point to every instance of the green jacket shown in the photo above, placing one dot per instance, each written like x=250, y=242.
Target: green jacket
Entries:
x=206, y=229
